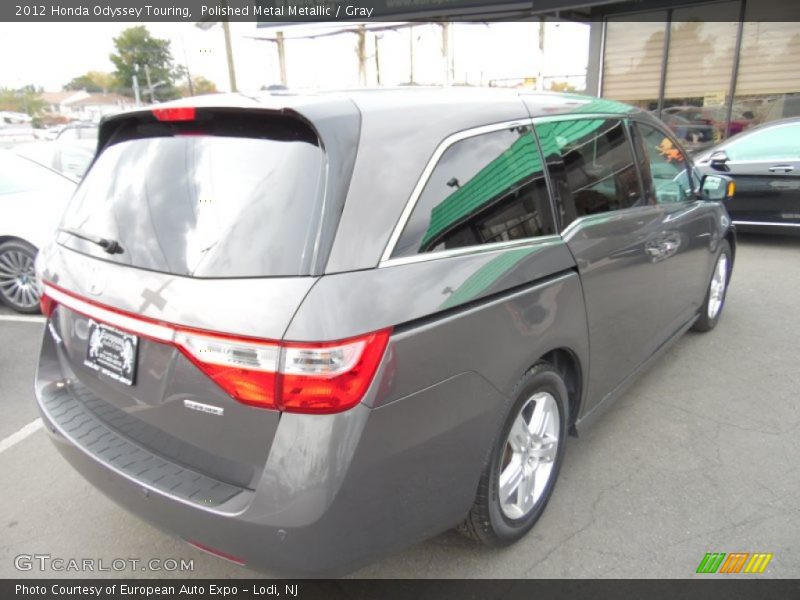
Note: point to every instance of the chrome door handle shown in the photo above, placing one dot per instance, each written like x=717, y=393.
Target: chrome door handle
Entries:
x=784, y=168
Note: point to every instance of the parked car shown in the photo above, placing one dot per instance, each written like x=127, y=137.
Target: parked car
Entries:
x=67, y=157
x=716, y=116
x=303, y=331
x=14, y=128
x=32, y=198
x=695, y=136
x=765, y=163
x=70, y=153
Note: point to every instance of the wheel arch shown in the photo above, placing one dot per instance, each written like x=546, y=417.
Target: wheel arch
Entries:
x=567, y=363
x=14, y=238
x=730, y=236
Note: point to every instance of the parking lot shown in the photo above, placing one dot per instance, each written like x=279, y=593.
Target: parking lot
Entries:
x=701, y=455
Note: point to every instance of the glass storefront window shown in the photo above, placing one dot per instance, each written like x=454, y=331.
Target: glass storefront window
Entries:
x=768, y=83
x=632, y=60
x=701, y=63
x=702, y=47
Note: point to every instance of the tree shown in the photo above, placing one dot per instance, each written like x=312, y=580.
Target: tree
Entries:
x=561, y=86
x=92, y=81
x=26, y=100
x=201, y=86
x=137, y=49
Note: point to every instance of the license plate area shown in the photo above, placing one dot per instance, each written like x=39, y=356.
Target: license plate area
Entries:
x=112, y=352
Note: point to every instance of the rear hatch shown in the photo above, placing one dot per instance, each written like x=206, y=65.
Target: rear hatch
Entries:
x=187, y=247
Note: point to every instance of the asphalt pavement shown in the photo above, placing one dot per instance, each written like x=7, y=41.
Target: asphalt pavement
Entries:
x=701, y=455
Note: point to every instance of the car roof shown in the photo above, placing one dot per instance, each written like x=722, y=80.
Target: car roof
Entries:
x=401, y=98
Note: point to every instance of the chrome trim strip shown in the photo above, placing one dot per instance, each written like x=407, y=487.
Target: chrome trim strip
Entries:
x=202, y=407
x=426, y=173
x=467, y=250
x=580, y=116
x=140, y=327
x=766, y=223
x=772, y=161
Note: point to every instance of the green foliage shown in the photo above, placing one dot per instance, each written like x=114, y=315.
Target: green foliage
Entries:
x=93, y=82
x=26, y=100
x=201, y=86
x=135, y=49
x=561, y=86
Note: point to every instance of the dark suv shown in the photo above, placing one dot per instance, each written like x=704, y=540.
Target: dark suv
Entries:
x=300, y=332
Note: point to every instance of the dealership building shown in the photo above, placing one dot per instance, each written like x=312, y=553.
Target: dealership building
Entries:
x=708, y=68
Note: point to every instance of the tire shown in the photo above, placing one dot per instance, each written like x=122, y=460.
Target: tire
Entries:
x=714, y=302
x=496, y=522
x=18, y=288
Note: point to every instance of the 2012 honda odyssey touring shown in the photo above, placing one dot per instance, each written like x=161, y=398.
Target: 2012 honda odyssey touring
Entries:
x=302, y=331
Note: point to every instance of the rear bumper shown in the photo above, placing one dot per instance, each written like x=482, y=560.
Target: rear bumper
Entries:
x=337, y=491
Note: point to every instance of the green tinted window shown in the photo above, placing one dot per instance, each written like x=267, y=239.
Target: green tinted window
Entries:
x=485, y=189
x=600, y=171
x=778, y=142
x=664, y=169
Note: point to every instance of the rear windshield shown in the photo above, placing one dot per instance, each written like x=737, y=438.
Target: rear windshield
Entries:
x=226, y=199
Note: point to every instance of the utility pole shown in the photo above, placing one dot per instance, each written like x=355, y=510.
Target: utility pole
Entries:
x=229, y=52
x=149, y=84
x=362, y=54
x=279, y=42
x=136, y=90
x=411, y=55
x=446, y=52
x=188, y=72
x=207, y=23
x=378, y=58
x=540, y=74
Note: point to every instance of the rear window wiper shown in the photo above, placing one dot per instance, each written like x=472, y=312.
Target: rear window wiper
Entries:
x=110, y=246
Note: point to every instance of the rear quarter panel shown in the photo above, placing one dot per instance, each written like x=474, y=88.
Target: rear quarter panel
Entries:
x=492, y=313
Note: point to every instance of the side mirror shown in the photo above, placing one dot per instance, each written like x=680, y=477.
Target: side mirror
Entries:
x=718, y=160
x=717, y=187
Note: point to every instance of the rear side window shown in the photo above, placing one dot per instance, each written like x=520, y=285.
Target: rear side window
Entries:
x=224, y=198
x=600, y=169
x=485, y=189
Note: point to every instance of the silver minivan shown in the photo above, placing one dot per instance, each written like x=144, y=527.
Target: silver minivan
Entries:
x=301, y=332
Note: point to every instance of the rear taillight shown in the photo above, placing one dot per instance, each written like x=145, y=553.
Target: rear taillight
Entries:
x=330, y=377
x=47, y=305
x=246, y=369
x=295, y=377
x=320, y=378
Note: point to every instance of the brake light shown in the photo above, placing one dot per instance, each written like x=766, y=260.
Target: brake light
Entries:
x=318, y=378
x=182, y=113
x=246, y=369
x=330, y=377
x=47, y=305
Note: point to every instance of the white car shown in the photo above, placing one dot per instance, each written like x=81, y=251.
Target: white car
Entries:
x=32, y=198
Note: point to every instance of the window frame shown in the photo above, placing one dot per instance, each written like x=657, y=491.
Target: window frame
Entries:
x=687, y=159
x=386, y=258
x=626, y=120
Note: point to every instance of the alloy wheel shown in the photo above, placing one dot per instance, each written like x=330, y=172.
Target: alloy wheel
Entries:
x=529, y=455
x=719, y=280
x=18, y=279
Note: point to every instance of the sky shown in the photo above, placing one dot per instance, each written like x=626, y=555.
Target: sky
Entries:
x=51, y=54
